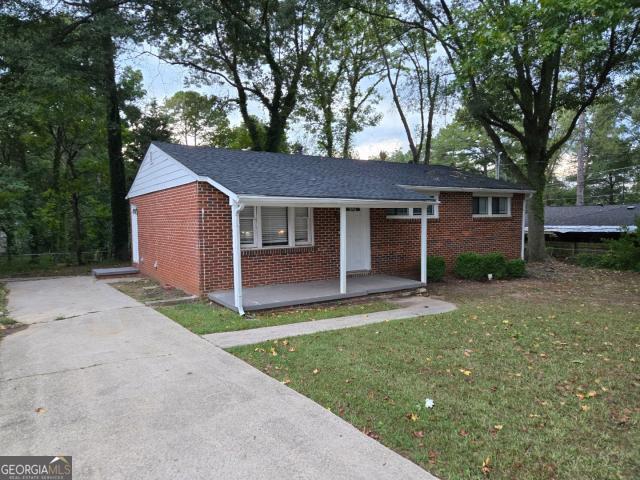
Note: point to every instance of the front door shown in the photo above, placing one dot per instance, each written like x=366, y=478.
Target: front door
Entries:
x=358, y=239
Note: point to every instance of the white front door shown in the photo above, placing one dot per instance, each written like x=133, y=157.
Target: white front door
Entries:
x=358, y=239
x=135, y=254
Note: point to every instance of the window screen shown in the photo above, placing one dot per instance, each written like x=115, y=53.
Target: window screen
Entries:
x=480, y=205
x=302, y=225
x=274, y=226
x=499, y=206
x=247, y=226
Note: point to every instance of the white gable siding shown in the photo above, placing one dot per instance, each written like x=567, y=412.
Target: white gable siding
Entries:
x=159, y=171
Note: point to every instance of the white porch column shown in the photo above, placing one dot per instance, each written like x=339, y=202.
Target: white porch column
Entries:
x=423, y=244
x=236, y=208
x=343, y=249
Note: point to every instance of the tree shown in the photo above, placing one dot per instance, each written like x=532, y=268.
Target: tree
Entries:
x=525, y=52
x=260, y=49
x=415, y=82
x=196, y=117
x=144, y=128
x=341, y=84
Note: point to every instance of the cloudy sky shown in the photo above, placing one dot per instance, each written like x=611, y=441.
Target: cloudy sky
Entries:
x=161, y=80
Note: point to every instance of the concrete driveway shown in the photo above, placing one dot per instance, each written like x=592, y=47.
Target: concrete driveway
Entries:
x=131, y=394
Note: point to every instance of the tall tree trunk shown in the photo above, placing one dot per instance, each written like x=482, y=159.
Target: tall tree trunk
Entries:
x=119, y=207
x=275, y=133
x=77, y=227
x=581, y=158
x=535, y=236
x=429, y=136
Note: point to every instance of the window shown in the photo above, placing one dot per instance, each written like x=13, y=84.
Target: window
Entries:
x=491, y=206
x=270, y=227
x=247, y=226
x=481, y=205
x=408, y=213
x=499, y=205
x=275, y=226
x=302, y=229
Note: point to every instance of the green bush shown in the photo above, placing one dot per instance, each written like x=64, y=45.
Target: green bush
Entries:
x=435, y=268
x=516, y=268
x=474, y=266
x=587, y=259
x=622, y=254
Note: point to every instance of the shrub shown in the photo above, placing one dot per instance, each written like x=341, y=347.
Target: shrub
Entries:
x=516, y=268
x=468, y=265
x=474, y=266
x=496, y=264
x=587, y=259
x=435, y=268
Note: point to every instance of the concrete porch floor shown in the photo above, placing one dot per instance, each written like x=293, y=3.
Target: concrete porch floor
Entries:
x=289, y=294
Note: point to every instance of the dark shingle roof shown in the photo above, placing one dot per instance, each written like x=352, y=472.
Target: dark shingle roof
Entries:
x=592, y=215
x=278, y=174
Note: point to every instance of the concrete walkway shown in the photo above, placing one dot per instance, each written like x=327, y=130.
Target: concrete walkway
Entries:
x=410, y=307
x=131, y=394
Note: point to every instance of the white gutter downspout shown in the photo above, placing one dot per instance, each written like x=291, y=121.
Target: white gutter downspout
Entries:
x=423, y=245
x=343, y=250
x=524, y=212
x=236, y=208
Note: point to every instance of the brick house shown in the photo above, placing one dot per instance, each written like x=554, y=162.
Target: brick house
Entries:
x=238, y=225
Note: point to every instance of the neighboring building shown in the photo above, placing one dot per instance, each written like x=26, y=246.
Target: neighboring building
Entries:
x=589, y=223
x=216, y=220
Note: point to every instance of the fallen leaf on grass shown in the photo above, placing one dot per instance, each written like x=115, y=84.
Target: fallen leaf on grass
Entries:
x=316, y=371
x=463, y=432
x=273, y=352
x=486, y=466
x=418, y=434
x=370, y=433
x=286, y=381
x=465, y=372
x=412, y=416
x=592, y=393
x=584, y=408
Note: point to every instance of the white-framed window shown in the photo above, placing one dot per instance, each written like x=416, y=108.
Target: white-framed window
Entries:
x=276, y=227
x=491, y=206
x=408, y=213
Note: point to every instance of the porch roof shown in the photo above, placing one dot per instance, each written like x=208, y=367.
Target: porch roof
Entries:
x=266, y=174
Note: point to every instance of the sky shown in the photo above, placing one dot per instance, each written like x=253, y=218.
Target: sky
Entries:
x=161, y=80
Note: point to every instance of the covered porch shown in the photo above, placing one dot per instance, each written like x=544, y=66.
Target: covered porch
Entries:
x=291, y=294
x=354, y=251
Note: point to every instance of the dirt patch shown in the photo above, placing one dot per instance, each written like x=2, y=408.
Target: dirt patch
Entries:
x=147, y=290
x=551, y=281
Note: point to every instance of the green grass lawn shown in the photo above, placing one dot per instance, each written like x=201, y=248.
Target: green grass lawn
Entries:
x=532, y=379
x=5, y=321
x=203, y=318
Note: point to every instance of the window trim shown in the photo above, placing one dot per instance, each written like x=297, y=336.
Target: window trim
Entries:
x=413, y=216
x=490, y=213
x=257, y=232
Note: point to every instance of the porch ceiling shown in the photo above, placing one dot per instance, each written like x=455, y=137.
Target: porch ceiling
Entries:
x=284, y=295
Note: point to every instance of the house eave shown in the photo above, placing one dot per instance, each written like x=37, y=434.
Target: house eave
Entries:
x=278, y=201
x=434, y=189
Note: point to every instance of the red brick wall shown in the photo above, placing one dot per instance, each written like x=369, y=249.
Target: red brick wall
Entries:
x=262, y=267
x=395, y=244
x=169, y=222
x=168, y=226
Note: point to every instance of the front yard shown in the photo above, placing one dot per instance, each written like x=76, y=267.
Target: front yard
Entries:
x=531, y=379
x=204, y=318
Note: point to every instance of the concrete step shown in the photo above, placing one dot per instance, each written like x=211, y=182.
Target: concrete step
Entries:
x=114, y=272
